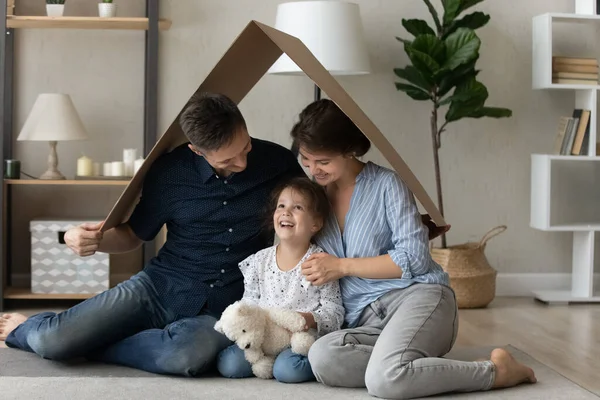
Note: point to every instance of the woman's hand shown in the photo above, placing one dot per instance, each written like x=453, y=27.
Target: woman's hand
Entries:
x=322, y=268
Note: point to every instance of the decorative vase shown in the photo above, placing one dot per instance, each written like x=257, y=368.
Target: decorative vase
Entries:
x=471, y=276
x=107, y=10
x=55, y=10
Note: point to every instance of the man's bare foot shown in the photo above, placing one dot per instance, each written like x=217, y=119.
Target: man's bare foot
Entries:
x=8, y=322
x=510, y=372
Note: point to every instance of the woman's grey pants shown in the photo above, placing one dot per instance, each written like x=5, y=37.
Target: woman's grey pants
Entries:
x=395, y=350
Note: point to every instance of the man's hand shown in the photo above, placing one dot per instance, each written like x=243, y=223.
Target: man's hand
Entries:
x=321, y=268
x=84, y=239
x=434, y=230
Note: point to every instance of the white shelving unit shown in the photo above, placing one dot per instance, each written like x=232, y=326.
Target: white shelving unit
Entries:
x=565, y=190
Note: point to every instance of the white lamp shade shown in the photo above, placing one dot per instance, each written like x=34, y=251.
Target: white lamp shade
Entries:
x=53, y=118
x=331, y=30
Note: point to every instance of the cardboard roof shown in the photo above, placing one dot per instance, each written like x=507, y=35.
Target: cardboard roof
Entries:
x=243, y=65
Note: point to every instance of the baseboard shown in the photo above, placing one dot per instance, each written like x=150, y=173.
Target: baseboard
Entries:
x=524, y=284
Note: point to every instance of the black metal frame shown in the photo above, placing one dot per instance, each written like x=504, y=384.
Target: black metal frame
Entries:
x=6, y=120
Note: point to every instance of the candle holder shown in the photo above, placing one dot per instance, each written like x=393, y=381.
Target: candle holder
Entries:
x=12, y=169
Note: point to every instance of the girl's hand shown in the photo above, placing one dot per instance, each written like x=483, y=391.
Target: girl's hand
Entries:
x=310, y=320
x=322, y=268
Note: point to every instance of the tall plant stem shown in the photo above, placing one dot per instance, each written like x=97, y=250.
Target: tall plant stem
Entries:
x=435, y=141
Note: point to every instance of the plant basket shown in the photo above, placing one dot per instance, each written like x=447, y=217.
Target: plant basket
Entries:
x=471, y=276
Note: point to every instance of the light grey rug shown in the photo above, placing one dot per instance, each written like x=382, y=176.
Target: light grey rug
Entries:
x=26, y=376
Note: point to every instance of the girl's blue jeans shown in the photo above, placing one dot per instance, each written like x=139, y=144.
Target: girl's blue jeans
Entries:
x=288, y=368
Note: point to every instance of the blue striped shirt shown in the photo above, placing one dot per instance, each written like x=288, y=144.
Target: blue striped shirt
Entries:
x=383, y=218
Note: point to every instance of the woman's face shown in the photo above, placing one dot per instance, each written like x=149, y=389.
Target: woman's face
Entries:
x=326, y=168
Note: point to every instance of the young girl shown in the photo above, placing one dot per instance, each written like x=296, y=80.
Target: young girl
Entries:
x=273, y=278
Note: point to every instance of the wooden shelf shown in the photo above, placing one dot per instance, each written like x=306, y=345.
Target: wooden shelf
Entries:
x=73, y=182
x=43, y=22
x=25, y=294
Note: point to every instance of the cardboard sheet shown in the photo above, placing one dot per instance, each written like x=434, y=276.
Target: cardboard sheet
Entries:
x=241, y=67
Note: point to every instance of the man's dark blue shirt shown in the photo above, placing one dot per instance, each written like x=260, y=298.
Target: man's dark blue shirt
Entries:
x=213, y=223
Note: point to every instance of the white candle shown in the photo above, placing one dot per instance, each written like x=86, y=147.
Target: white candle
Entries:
x=137, y=165
x=96, y=169
x=107, y=169
x=118, y=168
x=84, y=166
x=129, y=156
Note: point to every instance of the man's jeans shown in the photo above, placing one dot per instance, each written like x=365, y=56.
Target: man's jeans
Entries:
x=288, y=368
x=125, y=325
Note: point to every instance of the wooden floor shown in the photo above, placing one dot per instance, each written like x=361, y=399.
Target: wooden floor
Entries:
x=566, y=338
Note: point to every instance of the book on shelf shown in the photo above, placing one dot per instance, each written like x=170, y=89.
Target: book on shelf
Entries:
x=573, y=134
x=574, y=71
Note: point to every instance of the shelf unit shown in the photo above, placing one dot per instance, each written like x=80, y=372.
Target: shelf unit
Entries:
x=558, y=181
x=150, y=25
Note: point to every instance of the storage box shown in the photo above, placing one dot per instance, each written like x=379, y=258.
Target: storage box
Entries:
x=55, y=268
x=10, y=7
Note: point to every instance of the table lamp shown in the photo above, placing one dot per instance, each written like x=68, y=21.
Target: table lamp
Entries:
x=53, y=118
x=331, y=30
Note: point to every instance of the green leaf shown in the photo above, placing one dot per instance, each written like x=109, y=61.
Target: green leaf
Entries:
x=412, y=75
x=413, y=91
x=472, y=21
x=462, y=47
x=461, y=97
x=405, y=41
x=457, y=77
x=492, y=112
x=423, y=62
x=451, y=10
x=417, y=27
x=466, y=4
x=468, y=97
x=471, y=94
x=434, y=15
x=432, y=46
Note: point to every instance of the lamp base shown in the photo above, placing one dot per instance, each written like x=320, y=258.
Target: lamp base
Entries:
x=52, y=175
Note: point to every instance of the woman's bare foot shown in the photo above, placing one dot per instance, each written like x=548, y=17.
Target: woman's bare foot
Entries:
x=510, y=372
x=8, y=322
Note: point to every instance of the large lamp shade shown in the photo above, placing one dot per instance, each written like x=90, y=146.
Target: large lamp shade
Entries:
x=331, y=30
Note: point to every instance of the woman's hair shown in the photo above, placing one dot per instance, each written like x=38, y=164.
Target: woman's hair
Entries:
x=324, y=127
x=313, y=193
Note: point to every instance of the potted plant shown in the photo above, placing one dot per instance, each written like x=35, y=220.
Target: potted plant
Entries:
x=107, y=9
x=442, y=72
x=55, y=8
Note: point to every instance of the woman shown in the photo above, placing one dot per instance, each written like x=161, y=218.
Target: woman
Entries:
x=401, y=314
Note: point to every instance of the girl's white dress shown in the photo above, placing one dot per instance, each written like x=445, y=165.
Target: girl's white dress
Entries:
x=268, y=286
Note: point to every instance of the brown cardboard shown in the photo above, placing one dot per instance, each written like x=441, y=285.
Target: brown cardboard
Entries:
x=241, y=67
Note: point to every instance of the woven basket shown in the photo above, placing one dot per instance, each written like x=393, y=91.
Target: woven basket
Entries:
x=471, y=276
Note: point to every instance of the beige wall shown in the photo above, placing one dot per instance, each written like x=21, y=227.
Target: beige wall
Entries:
x=485, y=162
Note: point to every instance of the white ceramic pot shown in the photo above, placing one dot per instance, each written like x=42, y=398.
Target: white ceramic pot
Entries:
x=107, y=10
x=55, y=10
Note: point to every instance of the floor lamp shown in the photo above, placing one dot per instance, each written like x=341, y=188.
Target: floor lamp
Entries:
x=332, y=30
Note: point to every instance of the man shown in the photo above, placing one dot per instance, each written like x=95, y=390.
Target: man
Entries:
x=211, y=194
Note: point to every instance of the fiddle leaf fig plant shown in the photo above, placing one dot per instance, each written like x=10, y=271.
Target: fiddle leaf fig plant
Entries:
x=442, y=71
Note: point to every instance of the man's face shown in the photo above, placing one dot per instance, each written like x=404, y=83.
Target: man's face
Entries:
x=230, y=158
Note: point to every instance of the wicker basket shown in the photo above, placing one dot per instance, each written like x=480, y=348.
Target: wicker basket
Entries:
x=471, y=276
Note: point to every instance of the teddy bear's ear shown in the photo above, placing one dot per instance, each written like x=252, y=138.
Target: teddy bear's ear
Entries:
x=219, y=327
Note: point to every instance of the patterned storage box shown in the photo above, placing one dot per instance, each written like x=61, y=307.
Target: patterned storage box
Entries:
x=55, y=268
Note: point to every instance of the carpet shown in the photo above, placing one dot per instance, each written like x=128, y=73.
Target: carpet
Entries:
x=26, y=376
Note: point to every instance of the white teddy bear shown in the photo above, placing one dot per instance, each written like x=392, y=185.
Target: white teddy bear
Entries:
x=263, y=333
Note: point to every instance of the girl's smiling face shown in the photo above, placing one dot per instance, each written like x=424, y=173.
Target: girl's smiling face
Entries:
x=293, y=219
